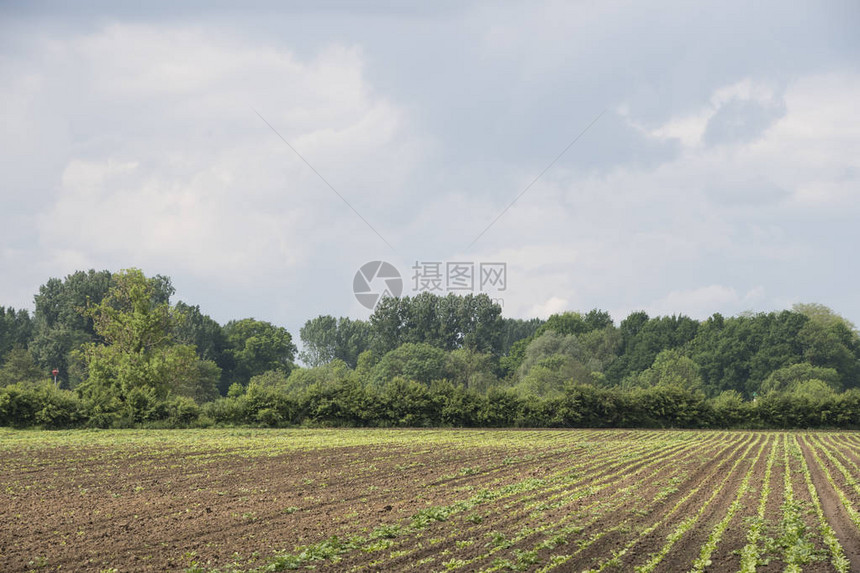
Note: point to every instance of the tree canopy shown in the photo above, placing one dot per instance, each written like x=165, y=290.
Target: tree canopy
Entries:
x=127, y=355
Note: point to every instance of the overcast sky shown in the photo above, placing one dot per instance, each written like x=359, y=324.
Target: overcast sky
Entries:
x=722, y=176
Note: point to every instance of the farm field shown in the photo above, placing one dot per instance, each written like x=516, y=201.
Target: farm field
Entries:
x=429, y=500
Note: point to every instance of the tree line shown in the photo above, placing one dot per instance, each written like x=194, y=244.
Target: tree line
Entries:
x=127, y=356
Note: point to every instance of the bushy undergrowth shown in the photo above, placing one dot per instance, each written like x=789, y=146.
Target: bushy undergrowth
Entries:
x=404, y=403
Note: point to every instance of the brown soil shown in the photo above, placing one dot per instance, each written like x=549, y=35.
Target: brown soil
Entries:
x=164, y=514
x=836, y=514
x=689, y=547
x=90, y=509
x=513, y=515
x=727, y=555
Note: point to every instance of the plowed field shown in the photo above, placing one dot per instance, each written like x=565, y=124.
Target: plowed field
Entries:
x=429, y=500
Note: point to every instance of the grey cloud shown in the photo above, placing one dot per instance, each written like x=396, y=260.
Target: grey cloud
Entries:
x=742, y=121
x=456, y=107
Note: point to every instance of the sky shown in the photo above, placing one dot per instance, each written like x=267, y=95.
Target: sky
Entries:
x=673, y=157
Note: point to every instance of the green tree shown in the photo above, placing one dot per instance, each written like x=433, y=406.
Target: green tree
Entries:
x=257, y=346
x=548, y=345
x=671, y=367
x=16, y=330
x=19, y=366
x=511, y=362
x=516, y=329
x=319, y=340
x=472, y=370
x=61, y=326
x=326, y=338
x=207, y=336
x=643, y=338
x=301, y=379
x=817, y=390
x=546, y=379
x=201, y=331
x=554, y=360
x=729, y=409
x=833, y=346
x=418, y=362
x=448, y=323
x=738, y=353
x=139, y=363
x=786, y=379
x=822, y=315
x=405, y=402
x=565, y=323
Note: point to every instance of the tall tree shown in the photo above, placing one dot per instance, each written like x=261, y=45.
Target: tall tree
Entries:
x=257, y=346
x=137, y=353
x=643, y=338
x=208, y=338
x=16, y=330
x=20, y=367
x=205, y=334
x=672, y=368
x=448, y=323
x=565, y=323
x=326, y=338
x=516, y=329
x=420, y=362
x=60, y=325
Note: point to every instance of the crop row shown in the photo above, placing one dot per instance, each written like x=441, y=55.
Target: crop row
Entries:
x=442, y=500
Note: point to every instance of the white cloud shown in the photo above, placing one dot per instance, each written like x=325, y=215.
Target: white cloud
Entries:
x=554, y=305
x=625, y=238
x=704, y=301
x=726, y=165
x=691, y=128
x=172, y=169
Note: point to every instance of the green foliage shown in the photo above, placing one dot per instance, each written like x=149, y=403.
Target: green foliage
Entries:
x=453, y=405
x=817, y=390
x=595, y=331
x=786, y=379
x=61, y=326
x=501, y=408
x=135, y=360
x=140, y=364
x=575, y=323
x=822, y=315
x=23, y=405
x=420, y=362
x=257, y=346
x=834, y=346
x=553, y=360
x=326, y=338
x=548, y=346
x=672, y=368
x=19, y=366
x=739, y=353
x=730, y=410
x=512, y=361
x=405, y=403
x=643, y=338
x=516, y=329
x=450, y=322
x=301, y=379
x=16, y=330
x=207, y=337
x=271, y=379
x=471, y=369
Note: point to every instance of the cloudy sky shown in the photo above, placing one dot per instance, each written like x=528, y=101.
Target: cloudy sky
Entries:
x=722, y=173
